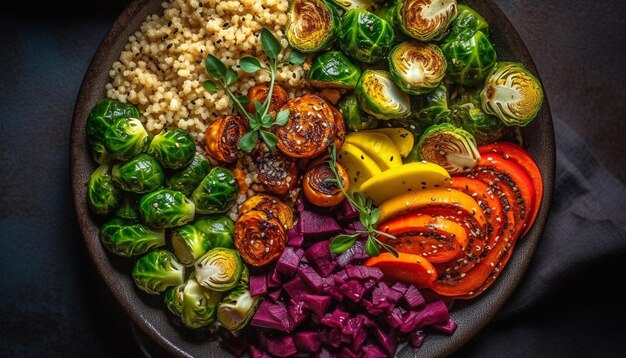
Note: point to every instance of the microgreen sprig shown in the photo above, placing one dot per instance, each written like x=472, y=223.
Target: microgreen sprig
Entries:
x=260, y=122
x=368, y=216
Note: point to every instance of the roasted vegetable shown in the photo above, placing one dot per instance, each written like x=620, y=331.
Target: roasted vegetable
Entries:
x=333, y=69
x=353, y=116
x=222, y=137
x=317, y=188
x=355, y=4
x=417, y=68
x=236, y=309
x=140, y=174
x=312, y=25
x=340, y=125
x=187, y=179
x=125, y=138
x=277, y=172
x=468, y=49
x=451, y=147
x=125, y=238
x=433, y=107
x=260, y=238
x=216, y=193
x=365, y=36
x=218, y=229
x=469, y=115
x=259, y=93
x=196, y=305
x=173, y=148
x=380, y=97
x=156, y=271
x=311, y=127
x=165, y=208
x=425, y=20
x=103, y=196
x=271, y=205
x=189, y=243
x=219, y=269
x=128, y=210
x=102, y=116
x=512, y=94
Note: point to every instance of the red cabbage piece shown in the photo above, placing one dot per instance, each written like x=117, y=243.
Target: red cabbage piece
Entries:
x=335, y=293
x=355, y=253
x=334, y=337
x=346, y=212
x=434, y=312
x=400, y=287
x=316, y=303
x=297, y=313
x=273, y=278
x=324, y=353
x=320, y=258
x=448, y=327
x=357, y=341
x=289, y=261
x=282, y=346
x=367, y=321
x=355, y=226
x=352, y=326
x=375, y=309
x=236, y=346
x=313, y=225
x=362, y=273
x=394, y=318
x=274, y=295
x=373, y=351
x=335, y=319
x=257, y=353
x=295, y=237
x=311, y=278
x=369, y=284
x=272, y=315
x=381, y=293
x=296, y=288
x=258, y=284
x=387, y=340
x=347, y=353
x=307, y=341
x=413, y=298
x=417, y=338
x=353, y=289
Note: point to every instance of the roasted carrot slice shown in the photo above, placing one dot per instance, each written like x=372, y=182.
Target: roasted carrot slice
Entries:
x=407, y=268
x=222, y=137
x=271, y=205
x=259, y=237
x=318, y=190
x=259, y=93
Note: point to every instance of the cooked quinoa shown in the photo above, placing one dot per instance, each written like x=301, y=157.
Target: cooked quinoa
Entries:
x=161, y=69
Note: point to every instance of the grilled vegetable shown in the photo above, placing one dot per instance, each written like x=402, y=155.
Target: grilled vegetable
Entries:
x=219, y=269
x=128, y=210
x=312, y=25
x=125, y=138
x=156, y=271
x=216, y=193
x=433, y=107
x=218, y=229
x=417, y=68
x=125, y=238
x=196, y=305
x=222, y=137
x=451, y=147
x=380, y=97
x=166, y=208
x=101, y=117
x=354, y=117
x=407, y=268
x=236, y=309
x=141, y=174
x=318, y=190
x=277, y=172
x=189, y=243
x=340, y=125
x=259, y=93
x=469, y=115
x=355, y=4
x=103, y=196
x=271, y=205
x=260, y=238
x=365, y=36
x=425, y=20
x=333, y=69
x=187, y=179
x=173, y=148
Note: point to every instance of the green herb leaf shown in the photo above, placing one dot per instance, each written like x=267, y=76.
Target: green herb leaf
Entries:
x=359, y=199
x=269, y=138
x=371, y=247
x=266, y=121
x=258, y=106
x=282, y=117
x=215, y=67
x=254, y=123
x=231, y=77
x=270, y=44
x=340, y=243
x=250, y=64
x=244, y=100
x=296, y=58
x=364, y=218
x=210, y=86
x=248, y=141
x=390, y=249
x=374, y=216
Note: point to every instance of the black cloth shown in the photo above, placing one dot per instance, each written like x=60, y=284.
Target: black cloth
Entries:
x=55, y=304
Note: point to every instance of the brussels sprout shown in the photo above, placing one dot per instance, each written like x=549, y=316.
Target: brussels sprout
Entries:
x=102, y=116
x=128, y=239
x=451, y=147
x=425, y=20
x=165, y=208
x=312, y=25
x=196, y=305
x=189, y=244
x=467, y=113
x=468, y=49
x=103, y=196
x=216, y=193
x=128, y=210
x=417, y=68
x=187, y=179
x=139, y=175
x=219, y=269
x=353, y=116
x=512, y=94
x=158, y=270
x=173, y=148
x=219, y=230
x=236, y=309
x=125, y=138
x=333, y=70
x=433, y=107
x=355, y=4
x=365, y=36
x=244, y=280
x=173, y=299
x=380, y=97
x=386, y=11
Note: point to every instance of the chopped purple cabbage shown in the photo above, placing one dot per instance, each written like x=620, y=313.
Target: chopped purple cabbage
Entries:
x=315, y=226
x=311, y=278
x=316, y=303
x=258, y=284
x=296, y=287
x=413, y=298
x=346, y=212
x=307, y=341
x=289, y=261
x=448, y=327
x=417, y=338
x=273, y=316
x=363, y=272
x=355, y=253
x=434, y=312
x=294, y=237
x=282, y=346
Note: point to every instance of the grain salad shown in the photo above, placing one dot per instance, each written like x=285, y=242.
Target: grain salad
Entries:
x=161, y=69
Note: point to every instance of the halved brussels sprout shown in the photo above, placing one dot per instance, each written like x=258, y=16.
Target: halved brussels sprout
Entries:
x=103, y=196
x=380, y=97
x=165, y=208
x=219, y=269
x=173, y=299
x=353, y=115
x=433, y=107
x=102, y=116
x=417, y=68
x=512, y=94
x=196, y=305
x=425, y=20
x=216, y=193
x=173, y=148
x=125, y=138
x=139, y=175
x=128, y=210
x=355, y=4
x=218, y=229
x=312, y=25
x=333, y=70
x=157, y=270
x=365, y=36
x=467, y=113
x=236, y=309
x=189, y=244
x=129, y=239
x=468, y=50
x=187, y=179
x=451, y=147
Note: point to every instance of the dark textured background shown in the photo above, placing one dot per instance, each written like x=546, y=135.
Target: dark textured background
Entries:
x=54, y=303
